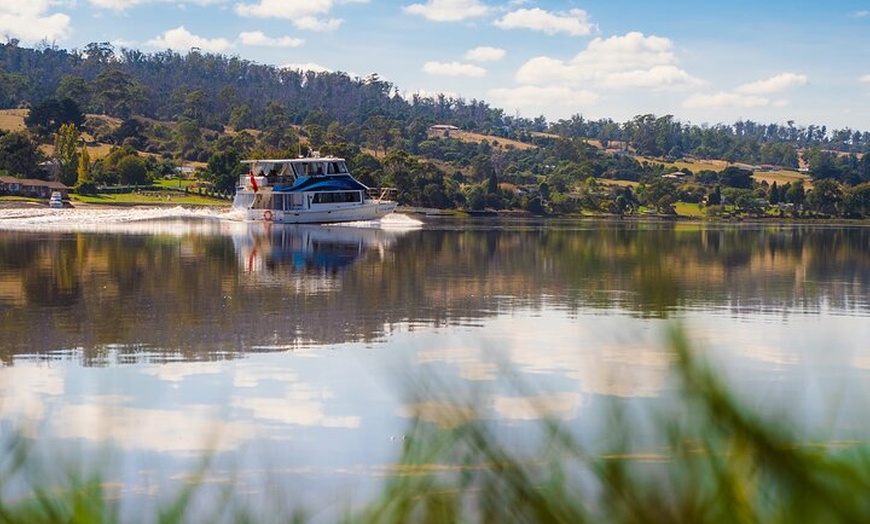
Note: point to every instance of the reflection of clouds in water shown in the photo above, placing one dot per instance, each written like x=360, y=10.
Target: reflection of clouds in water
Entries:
x=763, y=344
x=598, y=352
x=193, y=429
x=301, y=405
x=23, y=392
x=446, y=414
x=251, y=377
x=470, y=361
x=178, y=371
x=561, y=405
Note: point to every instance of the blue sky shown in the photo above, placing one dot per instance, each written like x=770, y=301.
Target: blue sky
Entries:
x=703, y=62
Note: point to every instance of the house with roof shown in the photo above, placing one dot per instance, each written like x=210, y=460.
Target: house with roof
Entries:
x=30, y=187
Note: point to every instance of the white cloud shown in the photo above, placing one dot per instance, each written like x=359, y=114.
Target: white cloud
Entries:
x=657, y=77
x=575, y=22
x=311, y=23
x=453, y=69
x=749, y=95
x=531, y=99
x=865, y=79
x=774, y=84
x=725, y=99
x=485, y=54
x=622, y=53
x=29, y=21
x=258, y=38
x=121, y=5
x=180, y=39
x=304, y=15
x=630, y=61
x=448, y=10
x=861, y=14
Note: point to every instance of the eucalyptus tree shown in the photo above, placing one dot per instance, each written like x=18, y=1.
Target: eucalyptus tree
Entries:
x=66, y=153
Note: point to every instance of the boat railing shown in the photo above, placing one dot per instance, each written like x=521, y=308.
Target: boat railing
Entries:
x=384, y=193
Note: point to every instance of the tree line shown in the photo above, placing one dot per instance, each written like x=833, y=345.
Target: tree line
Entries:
x=158, y=110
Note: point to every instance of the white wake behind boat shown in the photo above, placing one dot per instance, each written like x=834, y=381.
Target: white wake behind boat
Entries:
x=311, y=190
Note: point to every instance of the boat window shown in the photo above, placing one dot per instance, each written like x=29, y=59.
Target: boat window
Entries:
x=334, y=197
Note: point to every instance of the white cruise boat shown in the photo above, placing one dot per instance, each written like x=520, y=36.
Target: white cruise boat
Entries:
x=310, y=190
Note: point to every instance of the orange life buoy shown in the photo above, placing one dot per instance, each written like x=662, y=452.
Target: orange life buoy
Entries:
x=267, y=215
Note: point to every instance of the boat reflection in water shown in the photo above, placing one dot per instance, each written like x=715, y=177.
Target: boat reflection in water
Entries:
x=274, y=250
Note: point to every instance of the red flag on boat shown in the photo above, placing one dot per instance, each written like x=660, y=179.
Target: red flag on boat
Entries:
x=253, y=182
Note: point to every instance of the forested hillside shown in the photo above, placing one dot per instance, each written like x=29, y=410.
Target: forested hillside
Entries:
x=156, y=111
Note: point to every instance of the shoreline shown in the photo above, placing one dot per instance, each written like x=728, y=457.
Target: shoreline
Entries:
x=455, y=214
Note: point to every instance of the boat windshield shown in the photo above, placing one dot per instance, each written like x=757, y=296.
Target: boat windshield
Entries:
x=320, y=167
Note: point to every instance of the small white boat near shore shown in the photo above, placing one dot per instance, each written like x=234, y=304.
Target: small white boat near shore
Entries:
x=55, y=201
x=310, y=190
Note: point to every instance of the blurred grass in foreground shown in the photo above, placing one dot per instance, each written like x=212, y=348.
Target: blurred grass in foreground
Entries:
x=714, y=461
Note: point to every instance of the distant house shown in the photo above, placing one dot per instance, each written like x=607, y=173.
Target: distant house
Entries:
x=443, y=127
x=185, y=171
x=28, y=187
x=675, y=174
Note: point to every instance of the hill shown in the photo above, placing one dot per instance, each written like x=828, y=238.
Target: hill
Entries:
x=144, y=115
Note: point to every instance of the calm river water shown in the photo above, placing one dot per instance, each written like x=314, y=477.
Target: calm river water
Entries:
x=138, y=342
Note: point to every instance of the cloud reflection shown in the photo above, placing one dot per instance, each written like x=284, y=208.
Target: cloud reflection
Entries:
x=193, y=429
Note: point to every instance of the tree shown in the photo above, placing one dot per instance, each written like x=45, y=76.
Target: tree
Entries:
x=84, y=167
x=187, y=137
x=733, y=176
x=857, y=204
x=659, y=194
x=826, y=197
x=132, y=171
x=49, y=115
x=74, y=88
x=821, y=164
x=774, y=196
x=66, y=153
x=13, y=87
x=224, y=169
x=795, y=193
x=377, y=133
x=118, y=93
x=241, y=117
x=19, y=154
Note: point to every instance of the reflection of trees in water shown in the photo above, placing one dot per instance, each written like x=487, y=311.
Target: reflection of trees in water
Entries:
x=192, y=294
x=53, y=276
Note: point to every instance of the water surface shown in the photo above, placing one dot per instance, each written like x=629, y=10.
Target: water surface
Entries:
x=144, y=340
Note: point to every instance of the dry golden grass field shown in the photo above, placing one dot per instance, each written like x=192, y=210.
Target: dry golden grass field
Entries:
x=12, y=119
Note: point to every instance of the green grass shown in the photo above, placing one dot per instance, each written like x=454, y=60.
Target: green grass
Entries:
x=708, y=458
x=151, y=198
x=687, y=209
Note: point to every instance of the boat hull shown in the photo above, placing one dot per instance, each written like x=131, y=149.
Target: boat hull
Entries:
x=356, y=213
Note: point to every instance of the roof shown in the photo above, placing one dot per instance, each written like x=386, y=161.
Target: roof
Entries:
x=32, y=182
x=302, y=160
x=325, y=183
